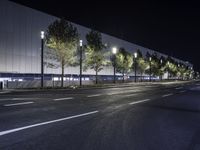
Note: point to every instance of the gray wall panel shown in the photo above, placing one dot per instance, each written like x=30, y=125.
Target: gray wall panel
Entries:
x=20, y=40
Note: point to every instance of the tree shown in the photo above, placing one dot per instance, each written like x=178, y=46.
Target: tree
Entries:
x=142, y=64
x=155, y=65
x=124, y=61
x=171, y=67
x=62, y=39
x=95, y=54
x=161, y=67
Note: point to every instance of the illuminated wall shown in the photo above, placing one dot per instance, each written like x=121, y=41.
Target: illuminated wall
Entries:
x=20, y=28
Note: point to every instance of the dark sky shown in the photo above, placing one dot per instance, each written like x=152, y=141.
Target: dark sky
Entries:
x=170, y=27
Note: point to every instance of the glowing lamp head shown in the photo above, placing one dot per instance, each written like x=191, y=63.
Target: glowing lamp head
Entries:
x=114, y=50
x=135, y=55
x=42, y=34
x=149, y=58
x=81, y=43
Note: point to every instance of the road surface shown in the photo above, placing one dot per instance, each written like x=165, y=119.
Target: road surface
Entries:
x=133, y=117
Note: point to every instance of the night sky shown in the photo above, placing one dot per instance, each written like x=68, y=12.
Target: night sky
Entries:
x=170, y=27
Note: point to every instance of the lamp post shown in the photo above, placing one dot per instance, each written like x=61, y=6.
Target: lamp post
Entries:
x=161, y=61
x=114, y=51
x=81, y=45
x=135, y=56
x=167, y=70
x=150, y=69
x=42, y=59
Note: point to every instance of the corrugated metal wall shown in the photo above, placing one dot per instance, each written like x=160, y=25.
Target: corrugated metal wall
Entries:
x=20, y=40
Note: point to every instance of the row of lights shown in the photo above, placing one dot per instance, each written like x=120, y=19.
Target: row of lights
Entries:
x=114, y=51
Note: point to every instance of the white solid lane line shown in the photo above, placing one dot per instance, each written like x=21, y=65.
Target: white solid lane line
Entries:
x=141, y=101
x=61, y=99
x=45, y=123
x=166, y=95
x=16, y=104
x=95, y=95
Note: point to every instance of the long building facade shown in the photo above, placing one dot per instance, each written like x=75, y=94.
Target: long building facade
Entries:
x=20, y=43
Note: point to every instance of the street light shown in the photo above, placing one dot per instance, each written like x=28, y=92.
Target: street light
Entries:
x=135, y=56
x=161, y=76
x=81, y=45
x=150, y=69
x=168, y=70
x=42, y=59
x=114, y=51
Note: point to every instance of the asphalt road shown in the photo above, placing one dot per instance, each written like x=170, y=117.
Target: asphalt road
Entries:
x=133, y=117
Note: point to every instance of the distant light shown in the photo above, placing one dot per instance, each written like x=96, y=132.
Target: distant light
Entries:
x=114, y=50
x=149, y=58
x=81, y=43
x=135, y=55
x=42, y=34
x=161, y=61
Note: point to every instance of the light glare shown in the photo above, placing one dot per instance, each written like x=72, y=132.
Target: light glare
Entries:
x=114, y=50
x=42, y=34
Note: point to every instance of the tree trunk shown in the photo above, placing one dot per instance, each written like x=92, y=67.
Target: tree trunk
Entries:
x=96, y=77
x=141, y=76
x=123, y=77
x=62, y=77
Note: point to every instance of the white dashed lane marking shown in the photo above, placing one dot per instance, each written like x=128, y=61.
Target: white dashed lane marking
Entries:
x=17, y=104
x=166, y=95
x=95, y=95
x=141, y=101
x=62, y=99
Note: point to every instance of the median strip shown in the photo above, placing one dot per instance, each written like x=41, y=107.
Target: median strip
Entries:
x=45, y=123
x=141, y=101
x=170, y=94
x=16, y=104
x=61, y=99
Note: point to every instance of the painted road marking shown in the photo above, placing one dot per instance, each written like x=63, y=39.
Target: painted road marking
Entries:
x=130, y=95
x=112, y=94
x=137, y=102
x=16, y=99
x=123, y=92
x=45, y=123
x=95, y=95
x=178, y=88
x=3, y=92
x=166, y=95
x=61, y=99
x=16, y=104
